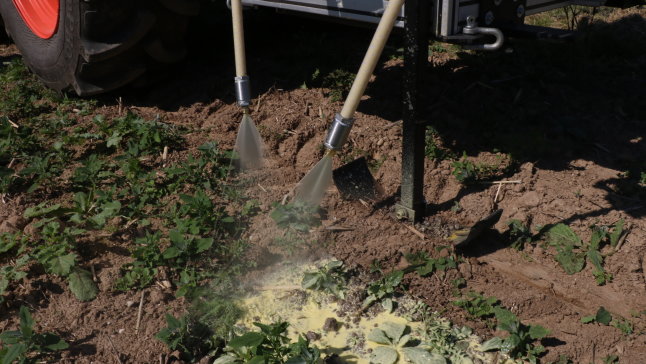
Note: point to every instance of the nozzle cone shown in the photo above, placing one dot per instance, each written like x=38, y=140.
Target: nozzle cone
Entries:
x=249, y=145
x=312, y=187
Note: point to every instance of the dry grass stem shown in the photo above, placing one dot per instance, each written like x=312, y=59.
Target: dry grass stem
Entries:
x=415, y=231
x=140, y=311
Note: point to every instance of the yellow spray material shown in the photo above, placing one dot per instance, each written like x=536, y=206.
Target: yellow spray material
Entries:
x=279, y=298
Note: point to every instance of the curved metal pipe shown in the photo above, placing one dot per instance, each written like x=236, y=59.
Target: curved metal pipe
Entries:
x=472, y=28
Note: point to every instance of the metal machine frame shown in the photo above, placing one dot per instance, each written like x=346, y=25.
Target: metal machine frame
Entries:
x=455, y=21
x=479, y=24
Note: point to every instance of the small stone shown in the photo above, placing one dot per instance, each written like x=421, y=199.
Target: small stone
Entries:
x=312, y=336
x=380, y=142
x=121, y=331
x=130, y=303
x=330, y=324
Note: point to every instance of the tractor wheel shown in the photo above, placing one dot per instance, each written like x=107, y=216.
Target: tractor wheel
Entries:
x=94, y=46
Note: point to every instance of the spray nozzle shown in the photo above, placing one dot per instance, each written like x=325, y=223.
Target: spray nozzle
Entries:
x=338, y=133
x=243, y=91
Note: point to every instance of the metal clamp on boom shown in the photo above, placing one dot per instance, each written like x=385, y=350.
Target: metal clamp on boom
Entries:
x=472, y=29
x=338, y=133
x=243, y=91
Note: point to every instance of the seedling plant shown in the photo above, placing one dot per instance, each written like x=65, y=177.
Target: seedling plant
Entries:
x=26, y=346
x=270, y=345
x=396, y=341
x=520, y=342
x=572, y=252
x=330, y=279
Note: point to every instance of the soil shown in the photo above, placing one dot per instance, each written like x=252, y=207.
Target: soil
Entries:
x=565, y=122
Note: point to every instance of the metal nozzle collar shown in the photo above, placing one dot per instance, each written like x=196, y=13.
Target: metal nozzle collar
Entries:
x=338, y=132
x=243, y=91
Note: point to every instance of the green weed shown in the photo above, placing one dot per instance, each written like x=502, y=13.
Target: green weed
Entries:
x=383, y=290
x=572, y=251
x=25, y=345
x=477, y=305
x=12, y=273
x=271, y=346
x=21, y=92
x=447, y=340
x=518, y=234
x=432, y=148
x=329, y=278
x=610, y=359
x=519, y=344
x=193, y=339
x=464, y=170
x=299, y=216
x=605, y=318
x=339, y=82
x=424, y=265
x=396, y=341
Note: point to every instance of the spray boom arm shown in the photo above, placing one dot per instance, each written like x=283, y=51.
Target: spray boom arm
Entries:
x=340, y=128
x=243, y=92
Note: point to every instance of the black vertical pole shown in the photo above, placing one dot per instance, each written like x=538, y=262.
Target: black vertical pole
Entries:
x=417, y=13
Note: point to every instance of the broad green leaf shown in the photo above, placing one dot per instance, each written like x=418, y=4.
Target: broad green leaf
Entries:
x=40, y=210
x=596, y=259
x=492, y=344
x=334, y=264
x=4, y=283
x=51, y=342
x=309, y=280
x=421, y=356
x=504, y=316
x=562, y=235
x=597, y=236
x=403, y=341
x=250, y=339
x=82, y=285
x=387, y=304
x=225, y=359
x=394, y=278
x=369, y=301
x=384, y=355
x=570, y=261
x=62, y=265
x=172, y=322
x=603, y=316
x=10, y=337
x=114, y=139
x=171, y=252
x=587, y=319
x=175, y=236
x=510, y=343
x=13, y=352
x=538, y=332
x=109, y=210
x=616, y=233
x=393, y=330
x=257, y=360
x=378, y=336
x=204, y=244
x=26, y=322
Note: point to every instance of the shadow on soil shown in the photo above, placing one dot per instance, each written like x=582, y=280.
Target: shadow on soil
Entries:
x=546, y=103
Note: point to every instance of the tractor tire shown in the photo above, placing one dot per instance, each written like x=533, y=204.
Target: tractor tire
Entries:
x=101, y=45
